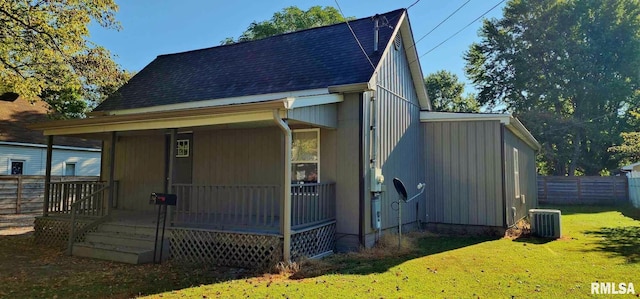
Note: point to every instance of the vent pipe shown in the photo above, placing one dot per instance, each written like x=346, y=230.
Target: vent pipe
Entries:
x=376, y=20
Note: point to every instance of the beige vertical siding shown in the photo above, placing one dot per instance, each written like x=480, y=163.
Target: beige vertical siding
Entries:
x=463, y=172
x=238, y=157
x=528, y=183
x=399, y=155
x=347, y=163
x=328, y=155
x=320, y=115
x=139, y=169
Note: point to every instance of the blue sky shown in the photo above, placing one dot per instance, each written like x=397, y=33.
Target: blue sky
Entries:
x=153, y=27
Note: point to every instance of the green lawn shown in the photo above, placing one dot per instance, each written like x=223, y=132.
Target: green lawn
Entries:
x=598, y=244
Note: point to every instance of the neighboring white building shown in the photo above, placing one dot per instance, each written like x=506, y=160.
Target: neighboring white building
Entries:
x=632, y=170
x=24, y=152
x=31, y=159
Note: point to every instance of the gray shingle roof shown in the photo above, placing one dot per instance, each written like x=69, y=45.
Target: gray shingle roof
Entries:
x=313, y=58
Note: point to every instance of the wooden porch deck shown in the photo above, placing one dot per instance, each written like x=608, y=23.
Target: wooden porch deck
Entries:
x=226, y=225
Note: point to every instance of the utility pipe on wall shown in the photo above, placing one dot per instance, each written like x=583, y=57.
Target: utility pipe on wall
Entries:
x=285, y=226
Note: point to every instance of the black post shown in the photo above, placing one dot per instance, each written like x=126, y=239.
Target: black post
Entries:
x=164, y=225
x=112, y=171
x=155, y=244
x=47, y=176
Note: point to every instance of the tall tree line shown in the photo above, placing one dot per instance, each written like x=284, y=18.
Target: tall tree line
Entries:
x=570, y=70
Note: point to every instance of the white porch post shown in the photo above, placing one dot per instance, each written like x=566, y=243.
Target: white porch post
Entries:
x=285, y=224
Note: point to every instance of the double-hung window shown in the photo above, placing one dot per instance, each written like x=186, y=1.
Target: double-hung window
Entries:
x=305, y=156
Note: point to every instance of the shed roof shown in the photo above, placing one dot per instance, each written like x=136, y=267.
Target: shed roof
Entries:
x=308, y=59
x=512, y=123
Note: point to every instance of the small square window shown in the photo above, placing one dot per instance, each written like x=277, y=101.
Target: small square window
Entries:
x=182, y=148
x=17, y=167
x=70, y=169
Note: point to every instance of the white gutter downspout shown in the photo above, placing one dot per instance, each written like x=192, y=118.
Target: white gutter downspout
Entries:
x=285, y=225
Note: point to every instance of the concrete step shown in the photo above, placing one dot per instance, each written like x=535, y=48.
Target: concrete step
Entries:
x=122, y=239
x=116, y=253
x=129, y=229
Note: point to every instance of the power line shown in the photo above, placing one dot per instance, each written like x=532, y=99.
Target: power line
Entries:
x=463, y=28
x=414, y=3
x=355, y=37
x=434, y=28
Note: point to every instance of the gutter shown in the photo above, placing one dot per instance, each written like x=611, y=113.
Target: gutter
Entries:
x=285, y=225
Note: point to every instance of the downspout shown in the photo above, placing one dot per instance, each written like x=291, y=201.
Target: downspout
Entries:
x=503, y=166
x=361, y=173
x=285, y=226
x=374, y=149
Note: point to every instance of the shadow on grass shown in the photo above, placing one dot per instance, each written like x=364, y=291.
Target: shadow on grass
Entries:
x=28, y=270
x=626, y=209
x=619, y=241
x=380, y=260
x=533, y=240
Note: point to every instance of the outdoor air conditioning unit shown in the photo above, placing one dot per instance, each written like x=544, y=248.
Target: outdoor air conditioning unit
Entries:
x=545, y=223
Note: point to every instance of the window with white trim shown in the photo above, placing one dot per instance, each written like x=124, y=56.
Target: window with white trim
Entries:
x=70, y=169
x=305, y=156
x=516, y=172
x=182, y=148
x=16, y=167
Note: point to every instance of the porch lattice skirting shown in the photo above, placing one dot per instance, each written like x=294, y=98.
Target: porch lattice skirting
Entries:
x=236, y=249
x=54, y=231
x=225, y=248
x=313, y=241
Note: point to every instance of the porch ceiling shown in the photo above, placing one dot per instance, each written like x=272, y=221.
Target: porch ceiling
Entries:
x=188, y=118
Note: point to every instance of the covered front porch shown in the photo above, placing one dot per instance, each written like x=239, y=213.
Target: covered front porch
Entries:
x=239, y=203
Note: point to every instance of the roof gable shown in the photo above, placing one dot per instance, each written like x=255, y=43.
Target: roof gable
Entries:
x=308, y=59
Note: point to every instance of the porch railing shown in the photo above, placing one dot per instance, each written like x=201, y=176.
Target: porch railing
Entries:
x=227, y=207
x=312, y=204
x=89, y=196
x=92, y=206
x=254, y=207
x=79, y=199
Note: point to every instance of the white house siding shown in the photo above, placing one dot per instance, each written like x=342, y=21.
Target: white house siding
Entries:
x=87, y=162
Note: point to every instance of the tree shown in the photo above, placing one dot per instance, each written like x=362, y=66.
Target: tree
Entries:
x=290, y=19
x=445, y=93
x=44, y=51
x=630, y=147
x=568, y=70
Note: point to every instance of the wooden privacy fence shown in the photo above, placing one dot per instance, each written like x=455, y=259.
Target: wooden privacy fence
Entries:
x=582, y=190
x=22, y=194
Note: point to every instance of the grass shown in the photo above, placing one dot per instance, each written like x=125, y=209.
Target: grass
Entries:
x=598, y=244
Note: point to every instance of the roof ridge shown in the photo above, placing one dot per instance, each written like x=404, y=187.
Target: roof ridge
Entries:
x=280, y=35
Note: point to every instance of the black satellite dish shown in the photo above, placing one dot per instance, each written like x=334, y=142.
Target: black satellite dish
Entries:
x=402, y=191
